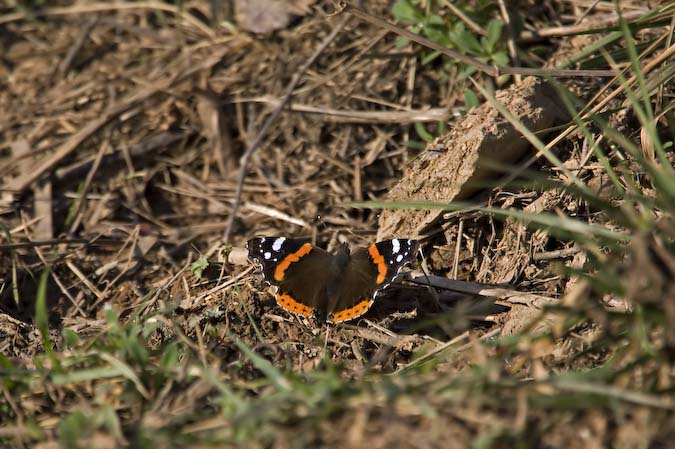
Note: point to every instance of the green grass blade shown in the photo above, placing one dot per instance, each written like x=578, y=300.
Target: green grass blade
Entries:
x=645, y=114
x=591, y=49
x=531, y=137
x=553, y=222
x=42, y=318
x=12, y=255
x=85, y=375
x=581, y=124
x=635, y=63
x=609, y=391
x=126, y=371
x=272, y=373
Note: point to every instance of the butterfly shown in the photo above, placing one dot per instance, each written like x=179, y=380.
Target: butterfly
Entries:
x=334, y=287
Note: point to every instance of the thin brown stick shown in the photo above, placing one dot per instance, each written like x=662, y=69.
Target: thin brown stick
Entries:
x=440, y=348
x=493, y=71
x=458, y=248
x=358, y=116
x=558, y=254
x=55, y=242
x=464, y=18
x=608, y=23
x=474, y=288
x=255, y=144
x=587, y=12
x=58, y=282
x=511, y=42
x=76, y=47
x=357, y=179
x=105, y=146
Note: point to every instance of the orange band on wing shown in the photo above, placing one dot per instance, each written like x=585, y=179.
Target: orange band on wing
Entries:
x=288, y=303
x=351, y=313
x=294, y=257
x=379, y=261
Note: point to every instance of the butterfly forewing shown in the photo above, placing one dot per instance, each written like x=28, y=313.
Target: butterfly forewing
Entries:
x=391, y=256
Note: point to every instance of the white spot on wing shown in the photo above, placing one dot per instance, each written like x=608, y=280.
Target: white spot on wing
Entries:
x=399, y=258
x=268, y=255
x=262, y=240
x=395, y=246
x=276, y=246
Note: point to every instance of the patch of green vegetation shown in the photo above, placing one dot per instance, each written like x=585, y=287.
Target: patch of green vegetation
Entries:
x=198, y=266
x=433, y=20
x=483, y=41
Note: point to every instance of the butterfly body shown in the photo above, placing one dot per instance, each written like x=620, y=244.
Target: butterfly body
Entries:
x=335, y=287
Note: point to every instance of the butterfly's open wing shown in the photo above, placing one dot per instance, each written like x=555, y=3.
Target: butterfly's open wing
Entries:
x=369, y=270
x=299, y=270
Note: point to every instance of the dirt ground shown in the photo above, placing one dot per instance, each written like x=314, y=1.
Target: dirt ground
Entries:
x=122, y=131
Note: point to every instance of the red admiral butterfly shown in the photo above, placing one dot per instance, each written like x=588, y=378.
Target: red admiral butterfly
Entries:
x=336, y=287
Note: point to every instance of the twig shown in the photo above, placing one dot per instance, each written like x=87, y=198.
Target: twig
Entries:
x=145, y=146
x=76, y=47
x=439, y=349
x=464, y=18
x=359, y=116
x=505, y=294
x=357, y=179
x=223, y=286
x=85, y=280
x=54, y=242
x=255, y=144
x=558, y=254
x=58, y=282
x=493, y=71
x=395, y=341
x=140, y=309
x=276, y=214
x=585, y=13
x=605, y=25
x=44, y=210
x=105, y=146
x=511, y=42
x=458, y=248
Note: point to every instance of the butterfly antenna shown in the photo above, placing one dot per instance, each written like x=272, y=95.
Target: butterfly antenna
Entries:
x=316, y=224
